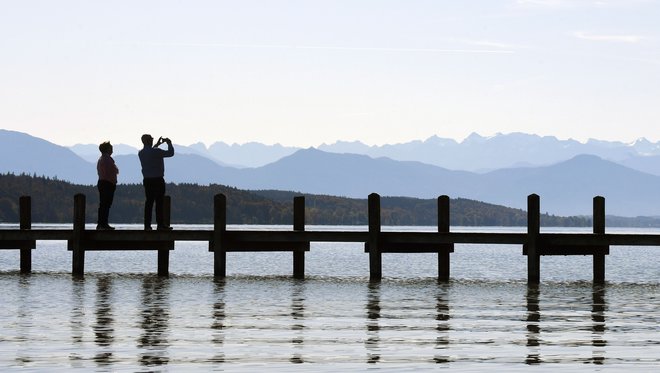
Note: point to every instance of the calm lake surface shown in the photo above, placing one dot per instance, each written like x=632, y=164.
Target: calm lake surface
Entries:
x=122, y=317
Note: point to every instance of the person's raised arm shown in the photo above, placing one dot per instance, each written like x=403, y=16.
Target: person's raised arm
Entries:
x=170, y=149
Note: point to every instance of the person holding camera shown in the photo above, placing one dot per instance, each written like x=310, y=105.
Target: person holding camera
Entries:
x=153, y=172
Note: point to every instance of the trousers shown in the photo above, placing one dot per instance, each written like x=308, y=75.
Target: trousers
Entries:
x=154, y=191
x=106, y=195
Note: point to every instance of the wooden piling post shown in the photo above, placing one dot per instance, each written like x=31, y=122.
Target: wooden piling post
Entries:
x=79, y=201
x=533, y=231
x=25, y=217
x=443, y=227
x=599, y=228
x=299, y=225
x=164, y=253
x=375, y=256
x=219, y=234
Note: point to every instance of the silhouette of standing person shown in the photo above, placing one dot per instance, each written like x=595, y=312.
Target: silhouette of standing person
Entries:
x=106, y=185
x=153, y=172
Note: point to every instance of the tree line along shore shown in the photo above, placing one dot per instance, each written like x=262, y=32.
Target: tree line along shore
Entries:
x=52, y=202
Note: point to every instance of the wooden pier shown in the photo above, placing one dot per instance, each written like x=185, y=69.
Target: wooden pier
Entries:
x=297, y=241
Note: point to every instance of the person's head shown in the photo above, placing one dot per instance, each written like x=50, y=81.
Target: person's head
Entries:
x=105, y=148
x=147, y=140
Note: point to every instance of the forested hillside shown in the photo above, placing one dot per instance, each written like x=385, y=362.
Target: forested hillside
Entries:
x=414, y=211
x=52, y=202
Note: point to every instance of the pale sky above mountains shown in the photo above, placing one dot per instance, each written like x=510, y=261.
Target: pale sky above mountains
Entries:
x=302, y=73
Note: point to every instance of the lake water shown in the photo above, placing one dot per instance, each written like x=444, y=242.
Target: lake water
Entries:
x=122, y=317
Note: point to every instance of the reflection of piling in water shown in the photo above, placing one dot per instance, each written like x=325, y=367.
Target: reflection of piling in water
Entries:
x=298, y=315
x=24, y=317
x=77, y=321
x=598, y=309
x=534, y=330
x=218, y=317
x=103, y=331
x=443, y=327
x=155, y=322
x=373, y=314
x=533, y=324
x=78, y=311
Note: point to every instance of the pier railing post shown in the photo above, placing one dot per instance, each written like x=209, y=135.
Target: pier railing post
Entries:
x=599, y=228
x=533, y=231
x=299, y=226
x=25, y=216
x=375, y=256
x=443, y=227
x=164, y=253
x=78, y=250
x=219, y=234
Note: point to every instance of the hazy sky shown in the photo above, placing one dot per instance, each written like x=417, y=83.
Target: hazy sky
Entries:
x=307, y=72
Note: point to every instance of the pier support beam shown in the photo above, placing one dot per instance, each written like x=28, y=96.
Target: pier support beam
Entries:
x=219, y=234
x=443, y=227
x=25, y=216
x=533, y=231
x=375, y=256
x=164, y=254
x=599, y=228
x=299, y=225
x=78, y=261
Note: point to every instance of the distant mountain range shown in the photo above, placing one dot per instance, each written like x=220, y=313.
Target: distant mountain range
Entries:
x=566, y=180
x=475, y=153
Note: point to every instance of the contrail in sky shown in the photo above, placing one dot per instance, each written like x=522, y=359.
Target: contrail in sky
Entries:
x=310, y=47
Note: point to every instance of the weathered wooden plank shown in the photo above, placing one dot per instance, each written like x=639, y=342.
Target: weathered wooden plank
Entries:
x=299, y=226
x=25, y=217
x=444, y=263
x=533, y=245
x=35, y=234
x=571, y=250
x=163, y=261
x=599, y=229
x=136, y=235
x=217, y=243
x=611, y=239
x=75, y=243
x=375, y=258
x=17, y=244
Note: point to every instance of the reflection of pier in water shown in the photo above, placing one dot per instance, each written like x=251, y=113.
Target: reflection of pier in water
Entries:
x=598, y=309
x=77, y=322
x=155, y=321
x=103, y=330
x=25, y=319
x=443, y=327
x=597, y=328
x=298, y=315
x=218, y=317
x=373, y=328
x=533, y=325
